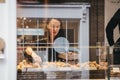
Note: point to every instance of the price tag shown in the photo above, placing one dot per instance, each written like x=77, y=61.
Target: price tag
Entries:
x=116, y=69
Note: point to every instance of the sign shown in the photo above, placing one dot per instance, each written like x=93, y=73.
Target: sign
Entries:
x=111, y=6
x=30, y=31
x=2, y=1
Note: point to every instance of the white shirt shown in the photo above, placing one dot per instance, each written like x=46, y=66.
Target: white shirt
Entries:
x=36, y=58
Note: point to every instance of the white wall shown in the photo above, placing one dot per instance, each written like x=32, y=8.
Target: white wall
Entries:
x=8, y=33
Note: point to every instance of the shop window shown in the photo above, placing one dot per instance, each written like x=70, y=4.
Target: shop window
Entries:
x=60, y=57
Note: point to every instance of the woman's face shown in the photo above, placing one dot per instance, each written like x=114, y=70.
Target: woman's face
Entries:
x=54, y=27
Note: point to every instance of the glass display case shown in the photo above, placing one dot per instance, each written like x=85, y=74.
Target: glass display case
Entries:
x=69, y=67
x=64, y=57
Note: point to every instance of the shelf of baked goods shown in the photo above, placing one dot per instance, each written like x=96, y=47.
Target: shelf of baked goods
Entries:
x=61, y=66
x=63, y=70
x=70, y=64
x=70, y=61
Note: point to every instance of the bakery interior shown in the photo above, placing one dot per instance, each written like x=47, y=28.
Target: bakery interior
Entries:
x=72, y=63
x=83, y=51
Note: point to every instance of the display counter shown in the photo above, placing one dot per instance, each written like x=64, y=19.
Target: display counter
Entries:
x=62, y=70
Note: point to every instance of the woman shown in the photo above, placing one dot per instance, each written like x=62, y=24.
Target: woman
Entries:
x=54, y=31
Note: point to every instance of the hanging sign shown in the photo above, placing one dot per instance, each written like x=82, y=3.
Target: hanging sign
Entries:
x=30, y=31
x=111, y=6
